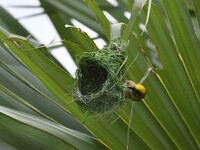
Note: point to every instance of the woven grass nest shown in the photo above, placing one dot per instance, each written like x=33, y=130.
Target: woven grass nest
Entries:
x=99, y=79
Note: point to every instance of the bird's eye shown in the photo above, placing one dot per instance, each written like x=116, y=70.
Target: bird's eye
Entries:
x=131, y=87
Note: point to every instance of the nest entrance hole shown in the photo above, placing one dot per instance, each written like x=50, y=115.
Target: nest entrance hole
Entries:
x=92, y=79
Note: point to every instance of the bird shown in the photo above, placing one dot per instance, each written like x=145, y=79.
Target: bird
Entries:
x=133, y=91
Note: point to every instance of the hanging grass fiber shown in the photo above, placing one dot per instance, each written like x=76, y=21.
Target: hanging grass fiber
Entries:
x=99, y=79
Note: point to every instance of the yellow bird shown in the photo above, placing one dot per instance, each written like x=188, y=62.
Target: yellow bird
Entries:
x=134, y=91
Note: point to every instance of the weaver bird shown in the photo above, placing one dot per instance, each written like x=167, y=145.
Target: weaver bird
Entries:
x=134, y=91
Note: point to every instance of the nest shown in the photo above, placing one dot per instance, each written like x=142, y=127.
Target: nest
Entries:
x=99, y=79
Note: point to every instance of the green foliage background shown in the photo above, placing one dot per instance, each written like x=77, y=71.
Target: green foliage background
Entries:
x=37, y=110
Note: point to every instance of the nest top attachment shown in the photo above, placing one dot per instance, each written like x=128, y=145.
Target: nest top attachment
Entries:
x=99, y=86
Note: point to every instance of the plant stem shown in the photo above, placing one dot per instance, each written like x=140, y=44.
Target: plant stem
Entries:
x=136, y=7
x=129, y=124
